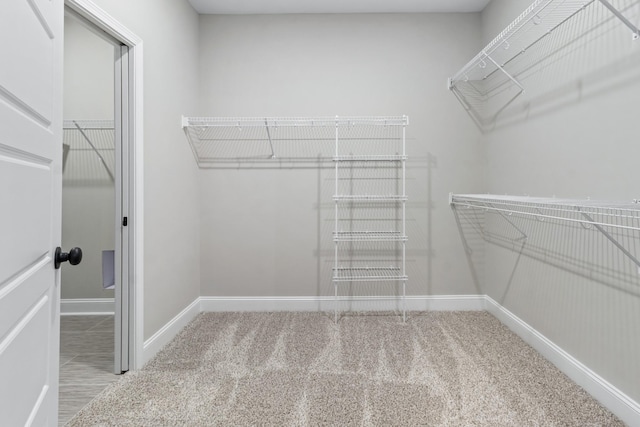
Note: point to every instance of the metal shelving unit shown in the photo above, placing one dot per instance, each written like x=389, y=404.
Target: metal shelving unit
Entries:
x=370, y=205
x=547, y=32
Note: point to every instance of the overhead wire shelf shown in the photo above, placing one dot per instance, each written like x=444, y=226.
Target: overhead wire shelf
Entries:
x=369, y=198
x=379, y=158
x=85, y=141
x=262, y=139
x=546, y=33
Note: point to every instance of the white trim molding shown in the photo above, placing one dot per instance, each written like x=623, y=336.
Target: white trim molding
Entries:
x=413, y=303
x=169, y=331
x=113, y=28
x=608, y=395
x=87, y=307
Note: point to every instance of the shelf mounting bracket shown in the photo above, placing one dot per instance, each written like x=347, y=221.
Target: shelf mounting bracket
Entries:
x=621, y=17
x=611, y=239
x=266, y=126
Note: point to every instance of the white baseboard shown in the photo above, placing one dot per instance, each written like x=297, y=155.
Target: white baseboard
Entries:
x=87, y=306
x=162, y=337
x=413, y=303
x=609, y=396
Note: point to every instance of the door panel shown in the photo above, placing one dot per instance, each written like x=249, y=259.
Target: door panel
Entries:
x=30, y=372
x=25, y=187
x=21, y=76
x=30, y=213
x=17, y=298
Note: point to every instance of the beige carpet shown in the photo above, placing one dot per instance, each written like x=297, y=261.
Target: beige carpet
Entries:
x=298, y=369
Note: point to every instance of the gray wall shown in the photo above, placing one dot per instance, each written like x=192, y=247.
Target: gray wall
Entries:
x=88, y=192
x=266, y=231
x=575, y=140
x=169, y=31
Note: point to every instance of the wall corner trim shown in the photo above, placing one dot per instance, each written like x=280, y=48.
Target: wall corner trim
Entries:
x=164, y=335
x=604, y=392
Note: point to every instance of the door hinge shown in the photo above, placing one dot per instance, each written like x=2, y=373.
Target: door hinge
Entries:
x=124, y=221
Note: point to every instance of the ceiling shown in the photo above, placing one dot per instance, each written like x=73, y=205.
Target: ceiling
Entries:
x=261, y=7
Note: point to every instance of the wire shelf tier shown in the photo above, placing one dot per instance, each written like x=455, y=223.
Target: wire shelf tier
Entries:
x=544, y=36
x=377, y=236
x=88, y=124
x=598, y=240
x=88, y=151
x=380, y=158
x=262, y=139
x=368, y=274
x=369, y=198
x=625, y=215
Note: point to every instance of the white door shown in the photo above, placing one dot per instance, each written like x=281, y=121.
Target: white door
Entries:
x=30, y=209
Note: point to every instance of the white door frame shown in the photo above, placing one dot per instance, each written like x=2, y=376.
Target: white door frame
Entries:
x=104, y=22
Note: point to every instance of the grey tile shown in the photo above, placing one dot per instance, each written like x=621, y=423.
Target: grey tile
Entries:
x=80, y=323
x=66, y=358
x=93, y=342
x=86, y=361
x=88, y=369
x=106, y=325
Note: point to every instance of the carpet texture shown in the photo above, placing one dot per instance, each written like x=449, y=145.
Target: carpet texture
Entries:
x=298, y=369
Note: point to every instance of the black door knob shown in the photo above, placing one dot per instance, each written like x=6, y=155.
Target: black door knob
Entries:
x=74, y=256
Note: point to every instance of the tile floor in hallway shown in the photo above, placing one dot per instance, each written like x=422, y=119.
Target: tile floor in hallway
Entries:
x=86, y=361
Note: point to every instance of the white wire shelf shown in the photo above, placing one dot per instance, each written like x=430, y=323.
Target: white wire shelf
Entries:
x=368, y=274
x=88, y=124
x=595, y=239
x=610, y=214
x=369, y=236
x=374, y=158
x=84, y=141
x=369, y=198
x=312, y=139
x=276, y=122
x=545, y=33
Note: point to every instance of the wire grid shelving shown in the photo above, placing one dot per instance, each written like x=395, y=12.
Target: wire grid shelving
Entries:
x=91, y=144
x=370, y=207
x=216, y=140
x=544, y=35
x=599, y=240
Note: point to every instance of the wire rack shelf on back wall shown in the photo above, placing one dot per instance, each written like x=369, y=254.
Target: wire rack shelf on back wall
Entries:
x=369, y=157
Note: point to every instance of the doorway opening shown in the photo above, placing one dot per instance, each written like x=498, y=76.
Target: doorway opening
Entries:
x=101, y=306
